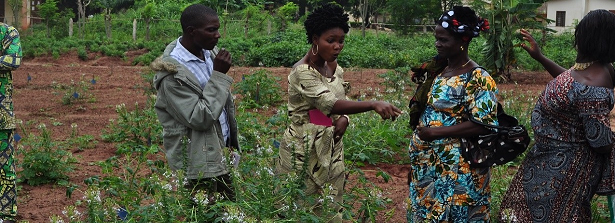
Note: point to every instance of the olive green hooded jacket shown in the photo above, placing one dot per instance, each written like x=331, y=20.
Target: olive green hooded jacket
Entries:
x=192, y=134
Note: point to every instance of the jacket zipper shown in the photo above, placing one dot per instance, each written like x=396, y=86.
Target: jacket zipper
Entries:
x=182, y=83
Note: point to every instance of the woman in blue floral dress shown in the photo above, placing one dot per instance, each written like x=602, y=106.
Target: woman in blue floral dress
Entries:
x=443, y=187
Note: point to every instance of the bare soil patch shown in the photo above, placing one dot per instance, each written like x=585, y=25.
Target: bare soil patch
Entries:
x=117, y=82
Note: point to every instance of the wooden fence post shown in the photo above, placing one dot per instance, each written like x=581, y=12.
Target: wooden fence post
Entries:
x=134, y=30
x=70, y=27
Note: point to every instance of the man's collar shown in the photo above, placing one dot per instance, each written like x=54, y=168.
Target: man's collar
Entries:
x=181, y=52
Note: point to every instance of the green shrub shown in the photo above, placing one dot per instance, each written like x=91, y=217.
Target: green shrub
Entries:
x=75, y=91
x=259, y=89
x=138, y=126
x=45, y=160
x=82, y=53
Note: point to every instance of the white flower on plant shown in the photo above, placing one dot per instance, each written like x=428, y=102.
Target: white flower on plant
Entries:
x=234, y=216
x=285, y=207
x=269, y=150
x=42, y=126
x=201, y=198
x=73, y=125
x=295, y=207
x=167, y=187
x=120, y=107
x=259, y=150
x=269, y=170
x=92, y=196
x=76, y=215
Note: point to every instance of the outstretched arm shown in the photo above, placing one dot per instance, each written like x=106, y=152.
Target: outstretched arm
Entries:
x=384, y=109
x=553, y=68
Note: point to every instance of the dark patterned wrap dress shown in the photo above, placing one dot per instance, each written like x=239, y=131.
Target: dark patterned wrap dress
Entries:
x=443, y=187
x=561, y=173
x=307, y=148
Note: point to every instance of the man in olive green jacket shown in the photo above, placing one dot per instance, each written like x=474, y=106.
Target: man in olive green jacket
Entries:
x=194, y=103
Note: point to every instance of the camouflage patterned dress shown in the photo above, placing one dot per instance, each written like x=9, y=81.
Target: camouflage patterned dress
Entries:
x=309, y=145
x=10, y=60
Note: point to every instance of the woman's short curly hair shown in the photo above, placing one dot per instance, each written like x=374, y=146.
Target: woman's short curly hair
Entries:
x=326, y=17
x=593, y=36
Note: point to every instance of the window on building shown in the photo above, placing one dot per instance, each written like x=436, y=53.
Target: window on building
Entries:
x=560, y=18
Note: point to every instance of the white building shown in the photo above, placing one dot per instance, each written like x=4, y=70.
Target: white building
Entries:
x=567, y=13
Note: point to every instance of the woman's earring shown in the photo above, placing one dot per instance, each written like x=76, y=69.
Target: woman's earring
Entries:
x=316, y=50
x=461, y=48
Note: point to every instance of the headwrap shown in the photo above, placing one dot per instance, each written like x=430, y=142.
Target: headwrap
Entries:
x=449, y=21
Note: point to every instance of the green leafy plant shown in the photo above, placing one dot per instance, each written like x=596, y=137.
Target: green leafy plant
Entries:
x=286, y=13
x=45, y=160
x=259, y=89
x=132, y=128
x=75, y=91
x=396, y=81
x=80, y=142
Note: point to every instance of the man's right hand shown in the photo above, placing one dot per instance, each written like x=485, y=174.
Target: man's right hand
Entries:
x=223, y=61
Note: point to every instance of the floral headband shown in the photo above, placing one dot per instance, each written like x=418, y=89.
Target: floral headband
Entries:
x=448, y=21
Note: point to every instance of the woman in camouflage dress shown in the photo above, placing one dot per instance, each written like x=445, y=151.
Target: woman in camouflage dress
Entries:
x=317, y=106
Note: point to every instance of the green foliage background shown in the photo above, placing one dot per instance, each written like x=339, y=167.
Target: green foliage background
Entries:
x=256, y=38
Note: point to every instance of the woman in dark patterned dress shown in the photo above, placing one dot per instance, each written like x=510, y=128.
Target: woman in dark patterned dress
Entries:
x=573, y=156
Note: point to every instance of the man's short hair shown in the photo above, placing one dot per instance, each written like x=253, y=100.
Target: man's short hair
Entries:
x=196, y=15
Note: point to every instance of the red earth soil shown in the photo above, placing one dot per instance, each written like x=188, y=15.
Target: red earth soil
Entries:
x=117, y=82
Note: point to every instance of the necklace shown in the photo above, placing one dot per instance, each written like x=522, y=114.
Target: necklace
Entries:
x=447, y=70
x=320, y=69
x=582, y=66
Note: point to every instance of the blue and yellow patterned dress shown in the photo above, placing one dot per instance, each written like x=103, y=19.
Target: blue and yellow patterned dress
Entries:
x=443, y=187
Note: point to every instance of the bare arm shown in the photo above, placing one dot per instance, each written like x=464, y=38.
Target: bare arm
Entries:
x=462, y=130
x=553, y=68
x=384, y=109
